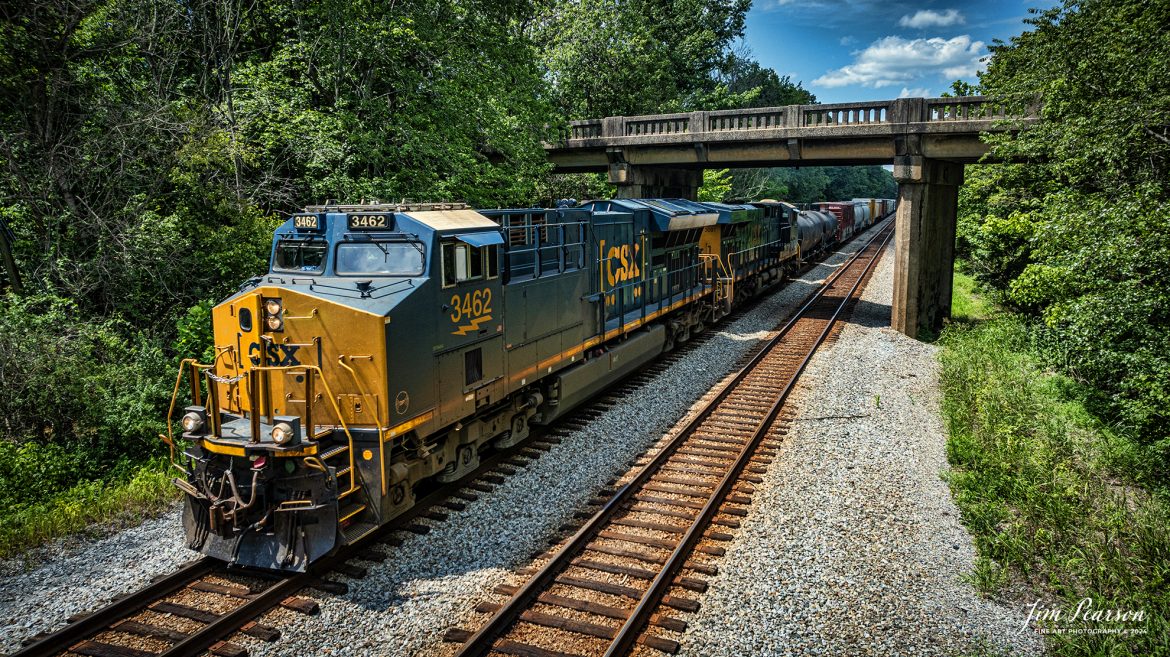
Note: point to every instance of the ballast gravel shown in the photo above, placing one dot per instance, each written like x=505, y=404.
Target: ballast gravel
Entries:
x=853, y=545
x=433, y=582
x=39, y=591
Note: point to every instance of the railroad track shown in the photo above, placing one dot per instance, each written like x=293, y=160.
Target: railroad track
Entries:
x=614, y=583
x=214, y=601
x=196, y=609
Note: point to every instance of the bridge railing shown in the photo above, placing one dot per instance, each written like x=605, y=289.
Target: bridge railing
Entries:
x=590, y=129
x=845, y=114
x=760, y=118
x=660, y=124
x=863, y=114
x=964, y=108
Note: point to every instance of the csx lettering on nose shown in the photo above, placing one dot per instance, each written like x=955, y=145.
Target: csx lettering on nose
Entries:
x=282, y=355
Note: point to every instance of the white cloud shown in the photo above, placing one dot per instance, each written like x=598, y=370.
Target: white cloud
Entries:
x=893, y=60
x=931, y=18
x=848, y=40
x=916, y=92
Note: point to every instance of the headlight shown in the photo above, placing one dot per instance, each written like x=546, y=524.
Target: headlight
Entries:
x=274, y=323
x=282, y=433
x=192, y=422
x=272, y=306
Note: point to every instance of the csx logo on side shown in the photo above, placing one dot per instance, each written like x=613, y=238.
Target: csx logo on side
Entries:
x=278, y=354
x=621, y=263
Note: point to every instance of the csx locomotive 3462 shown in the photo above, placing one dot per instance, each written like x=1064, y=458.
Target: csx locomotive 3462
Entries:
x=390, y=345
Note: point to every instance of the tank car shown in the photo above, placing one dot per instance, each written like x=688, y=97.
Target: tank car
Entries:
x=818, y=232
x=389, y=346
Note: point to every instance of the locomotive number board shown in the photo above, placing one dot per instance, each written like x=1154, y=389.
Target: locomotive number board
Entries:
x=370, y=222
x=306, y=222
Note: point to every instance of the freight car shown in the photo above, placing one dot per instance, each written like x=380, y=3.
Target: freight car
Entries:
x=873, y=209
x=845, y=213
x=389, y=345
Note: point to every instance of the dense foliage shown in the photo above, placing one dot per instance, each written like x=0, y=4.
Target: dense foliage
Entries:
x=626, y=57
x=147, y=150
x=1074, y=230
x=1036, y=478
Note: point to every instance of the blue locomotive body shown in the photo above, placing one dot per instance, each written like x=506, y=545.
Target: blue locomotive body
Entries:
x=390, y=345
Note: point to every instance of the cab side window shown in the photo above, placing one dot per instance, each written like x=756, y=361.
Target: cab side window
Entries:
x=463, y=262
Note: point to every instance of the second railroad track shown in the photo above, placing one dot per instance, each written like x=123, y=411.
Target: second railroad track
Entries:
x=616, y=583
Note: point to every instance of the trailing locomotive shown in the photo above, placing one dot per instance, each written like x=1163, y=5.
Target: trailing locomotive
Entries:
x=389, y=345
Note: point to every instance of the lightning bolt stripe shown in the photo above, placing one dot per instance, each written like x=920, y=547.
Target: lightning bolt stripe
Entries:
x=473, y=326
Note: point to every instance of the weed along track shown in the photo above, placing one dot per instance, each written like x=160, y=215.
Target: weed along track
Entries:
x=623, y=575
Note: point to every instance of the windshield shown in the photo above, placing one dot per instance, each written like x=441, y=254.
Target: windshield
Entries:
x=300, y=255
x=383, y=258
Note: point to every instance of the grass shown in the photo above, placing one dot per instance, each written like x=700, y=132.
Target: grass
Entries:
x=967, y=304
x=87, y=506
x=1045, y=488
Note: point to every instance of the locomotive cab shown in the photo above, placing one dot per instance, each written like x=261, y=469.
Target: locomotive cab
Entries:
x=324, y=374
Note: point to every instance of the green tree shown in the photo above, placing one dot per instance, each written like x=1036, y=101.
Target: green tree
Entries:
x=745, y=77
x=716, y=185
x=1074, y=228
x=618, y=57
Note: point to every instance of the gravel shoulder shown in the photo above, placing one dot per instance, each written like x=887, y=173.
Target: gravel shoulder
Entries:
x=853, y=545
x=431, y=582
x=77, y=574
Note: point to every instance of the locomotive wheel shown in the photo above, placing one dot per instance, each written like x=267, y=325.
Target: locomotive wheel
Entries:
x=466, y=460
x=518, y=433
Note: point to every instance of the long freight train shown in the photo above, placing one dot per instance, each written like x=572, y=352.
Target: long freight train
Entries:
x=389, y=345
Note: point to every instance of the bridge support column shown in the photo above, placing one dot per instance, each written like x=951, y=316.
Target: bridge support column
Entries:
x=924, y=250
x=655, y=182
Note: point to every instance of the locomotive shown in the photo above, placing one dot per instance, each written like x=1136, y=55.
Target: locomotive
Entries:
x=389, y=346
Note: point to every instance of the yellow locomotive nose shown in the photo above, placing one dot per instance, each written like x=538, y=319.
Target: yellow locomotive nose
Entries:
x=289, y=336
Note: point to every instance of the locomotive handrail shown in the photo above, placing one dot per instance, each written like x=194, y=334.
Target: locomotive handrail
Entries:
x=377, y=418
x=311, y=370
x=170, y=437
x=311, y=315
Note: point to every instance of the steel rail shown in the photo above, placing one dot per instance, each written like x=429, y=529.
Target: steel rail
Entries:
x=232, y=621
x=97, y=621
x=624, y=641
x=480, y=643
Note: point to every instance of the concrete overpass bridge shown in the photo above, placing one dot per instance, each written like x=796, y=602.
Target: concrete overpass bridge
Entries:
x=928, y=141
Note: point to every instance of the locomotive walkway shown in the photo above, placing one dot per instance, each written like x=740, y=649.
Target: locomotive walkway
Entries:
x=928, y=140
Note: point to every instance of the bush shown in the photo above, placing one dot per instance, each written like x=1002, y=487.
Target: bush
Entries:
x=78, y=399
x=146, y=491
x=1072, y=229
x=1048, y=491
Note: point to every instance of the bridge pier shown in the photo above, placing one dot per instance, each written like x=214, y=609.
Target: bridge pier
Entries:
x=655, y=182
x=924, y=249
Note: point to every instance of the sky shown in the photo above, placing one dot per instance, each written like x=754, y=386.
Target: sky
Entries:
x=852, y=50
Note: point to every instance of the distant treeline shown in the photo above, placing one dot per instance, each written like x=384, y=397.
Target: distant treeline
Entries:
x=811, y=184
